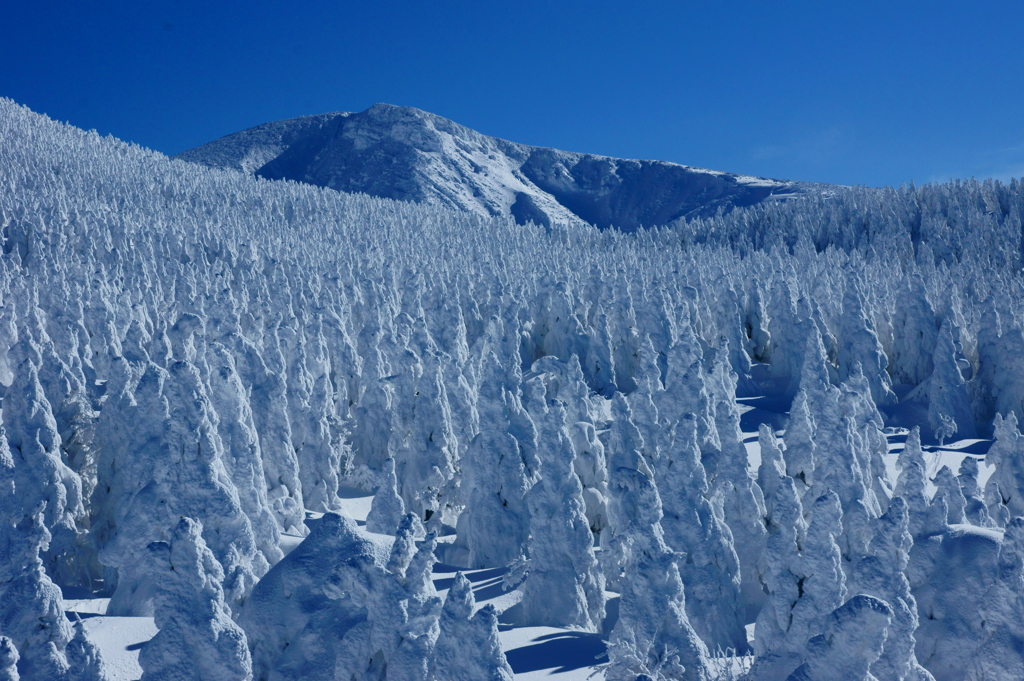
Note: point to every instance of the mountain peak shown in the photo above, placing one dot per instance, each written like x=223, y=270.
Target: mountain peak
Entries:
x=408, y=154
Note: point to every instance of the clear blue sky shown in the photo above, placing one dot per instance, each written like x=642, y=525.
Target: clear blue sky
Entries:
x=849, y=92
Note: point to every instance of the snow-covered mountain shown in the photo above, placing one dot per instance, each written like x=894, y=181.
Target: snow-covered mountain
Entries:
x=412, y=155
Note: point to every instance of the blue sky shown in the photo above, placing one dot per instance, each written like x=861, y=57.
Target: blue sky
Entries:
x=862, y=92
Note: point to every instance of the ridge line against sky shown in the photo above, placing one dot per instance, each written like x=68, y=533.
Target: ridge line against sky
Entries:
x=874, y=94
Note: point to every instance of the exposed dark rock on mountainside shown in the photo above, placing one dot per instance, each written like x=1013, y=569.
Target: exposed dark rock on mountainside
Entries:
x=411, y=155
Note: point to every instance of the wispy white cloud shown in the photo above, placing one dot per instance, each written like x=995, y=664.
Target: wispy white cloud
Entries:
x=811, y=148
x=1001, y=164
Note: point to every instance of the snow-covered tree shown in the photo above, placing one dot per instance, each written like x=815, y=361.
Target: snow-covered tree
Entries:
x=189, y=327
x=853, y=639
x=949, y=406
x=709, y=566
x=31, y=606
x=946, y=574
x=85, y=662
x=468, y=648
x=736, y=494
x=860, y=345
x=564, y=586
x=914, y=334
x=197, y=638
x=881, y=574
x=663, y=646
x=8, y=660
x=151, y=490
x=1002, y=653
x=975, y=511
x=40, y=467
x=1007, y=455
x=948, y=492
x=497, y=472
x=387, y=507
x=805, y=579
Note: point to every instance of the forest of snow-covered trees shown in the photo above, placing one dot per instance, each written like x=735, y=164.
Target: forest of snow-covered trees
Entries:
x=194, y=361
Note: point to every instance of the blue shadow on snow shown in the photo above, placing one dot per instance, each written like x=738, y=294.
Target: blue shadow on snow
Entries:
x=564, y=651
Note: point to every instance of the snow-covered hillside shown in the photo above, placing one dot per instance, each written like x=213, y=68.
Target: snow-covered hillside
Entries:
x=408, y=154
x=271, y=422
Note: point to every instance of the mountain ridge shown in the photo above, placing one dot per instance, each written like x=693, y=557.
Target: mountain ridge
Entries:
x=412, y=155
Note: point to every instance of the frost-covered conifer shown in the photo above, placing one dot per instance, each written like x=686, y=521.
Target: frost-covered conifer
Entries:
x=784, y=580
x=739, y=359
x=497, y=472
x=994, y=502
x=948, y=491
x=268, y=399
x=686, y=391
x=949, y=406
x=1007, y=455
x=31, y=608
x=8, y=660
x=468, y=648
x=653, y=635
x=853, y=639
x=816, y=403
x=928, y=517
x=911, y=484
x=881, y=574
x=1001, y=656
x=197, y=638
x=808, y=356
x=808, y=567
x=314, y=430
x=294, y=617
x=171, y=466
x=85, y=662
x=914, y=334
x=63, y=385
x=799, y=438
x=912, y=450
x=330, y=610
x=625, y=454
x=871, y=444
x=41, y=473
x=860, y=346
x=560, y=333
x=643, y=401
x=564, y=586
x=773, y=466
x=975, y=511
x=12, y=510
x=710, y=569
x=404, y=547
x=823, y=579
x=741, y=501
x=784, y=352
x=946, y=573
x=387, y=507
x=243, y=458
x=566, y=383
x=425, y=458
x=419, y=629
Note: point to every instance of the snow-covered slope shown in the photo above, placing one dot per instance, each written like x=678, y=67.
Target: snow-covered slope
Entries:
x=193, y=360
x=412, y=155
